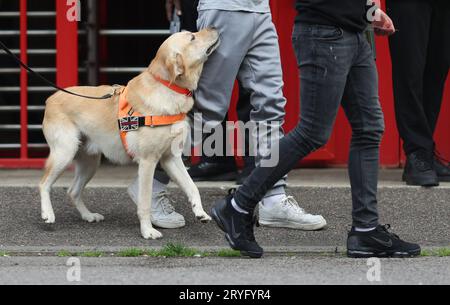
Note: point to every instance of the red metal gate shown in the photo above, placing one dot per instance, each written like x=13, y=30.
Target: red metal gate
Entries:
x=66, y=75
x=336, y=151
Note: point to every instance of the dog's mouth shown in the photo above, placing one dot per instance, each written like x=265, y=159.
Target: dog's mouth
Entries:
x=212, y=48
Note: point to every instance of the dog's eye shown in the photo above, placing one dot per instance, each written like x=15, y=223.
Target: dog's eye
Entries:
x=192, y=37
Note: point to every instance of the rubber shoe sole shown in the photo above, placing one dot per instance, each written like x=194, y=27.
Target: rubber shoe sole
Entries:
x=215, y=216
x=421, y=181
x=293, y=225
x=369, y=254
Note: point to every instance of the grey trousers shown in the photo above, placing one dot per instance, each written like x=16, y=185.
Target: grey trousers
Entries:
x=250, y=52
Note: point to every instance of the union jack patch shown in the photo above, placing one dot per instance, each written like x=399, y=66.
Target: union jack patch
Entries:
x=130, y=123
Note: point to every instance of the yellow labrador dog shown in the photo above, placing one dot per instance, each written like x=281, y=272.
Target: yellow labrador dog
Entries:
x=80, y=130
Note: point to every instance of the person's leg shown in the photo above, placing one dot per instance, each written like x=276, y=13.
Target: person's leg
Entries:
x=437, y=65
x=261, y=74
x=322, y=82
x=324, y=56
x=436, y=73
x=221, y=166
x=163, y=213
x=363, y=110
x=361, y=104
x=409, y=48
x=189, y=15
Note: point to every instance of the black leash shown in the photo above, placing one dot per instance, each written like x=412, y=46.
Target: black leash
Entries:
x=16, y=59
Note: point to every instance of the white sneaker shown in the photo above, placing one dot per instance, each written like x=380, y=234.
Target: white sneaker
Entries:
x=163, y=213
x=288, y=214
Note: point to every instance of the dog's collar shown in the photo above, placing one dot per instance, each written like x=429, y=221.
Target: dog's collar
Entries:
x=173, y=87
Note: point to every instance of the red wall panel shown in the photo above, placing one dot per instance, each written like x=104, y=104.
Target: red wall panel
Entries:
x=336, y=152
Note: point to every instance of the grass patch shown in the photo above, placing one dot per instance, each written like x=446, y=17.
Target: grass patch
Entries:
x=442, y=252
x=174, y=250
x=64, y=254
x=168, y=251
x=3, y=254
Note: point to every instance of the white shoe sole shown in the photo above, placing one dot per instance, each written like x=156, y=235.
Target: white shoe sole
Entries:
x=293, y=225
x=168, y=225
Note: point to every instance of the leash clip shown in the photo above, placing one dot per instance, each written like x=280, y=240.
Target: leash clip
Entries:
x=118, y=90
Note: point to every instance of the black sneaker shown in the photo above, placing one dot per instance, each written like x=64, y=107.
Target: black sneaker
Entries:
x=379, y=243
x=442, y=168
x=419, y=170
x=213, y=171
x=238, y=227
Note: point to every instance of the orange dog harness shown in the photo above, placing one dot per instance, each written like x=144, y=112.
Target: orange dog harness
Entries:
x=130, y=120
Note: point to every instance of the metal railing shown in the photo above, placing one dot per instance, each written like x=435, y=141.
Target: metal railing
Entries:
x=24, y=89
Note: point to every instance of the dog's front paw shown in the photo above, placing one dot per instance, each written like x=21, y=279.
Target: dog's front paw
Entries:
x=150, y=233
x=92, y=217
x=203, y=217
x=48, y=217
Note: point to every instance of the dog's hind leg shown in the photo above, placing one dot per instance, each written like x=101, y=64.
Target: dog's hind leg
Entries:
x=146, y=173
x=63, y=143
x=174, y=167
x=85, y=167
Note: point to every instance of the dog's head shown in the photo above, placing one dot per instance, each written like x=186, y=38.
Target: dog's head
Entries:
x=181, y=57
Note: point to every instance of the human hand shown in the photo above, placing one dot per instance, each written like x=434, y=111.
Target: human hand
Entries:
x=383, y=24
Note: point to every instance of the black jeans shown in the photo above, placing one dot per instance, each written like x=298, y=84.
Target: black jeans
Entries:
x=336, y=68
x=420, y=63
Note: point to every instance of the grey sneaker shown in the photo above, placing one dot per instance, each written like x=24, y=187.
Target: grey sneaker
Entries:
x=163, y=213
x=288, y=214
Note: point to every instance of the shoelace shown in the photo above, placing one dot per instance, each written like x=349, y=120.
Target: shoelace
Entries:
x=291, y=203
x=386, y=229
x=164, y=201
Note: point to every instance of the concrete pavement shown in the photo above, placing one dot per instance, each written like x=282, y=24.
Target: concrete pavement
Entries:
x=272, y=270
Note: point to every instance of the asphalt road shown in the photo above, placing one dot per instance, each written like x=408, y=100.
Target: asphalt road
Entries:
x=420, y=216
x=276, y=270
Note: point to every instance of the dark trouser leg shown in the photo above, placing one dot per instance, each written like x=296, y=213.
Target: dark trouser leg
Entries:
x=409, y=54
x=244, y=108
x=161, y=175
x=323, y=66
x=363, y=110
x=190, y=15
x=437, y=67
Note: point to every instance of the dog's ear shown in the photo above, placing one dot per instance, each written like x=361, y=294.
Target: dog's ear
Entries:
x=175, y=66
